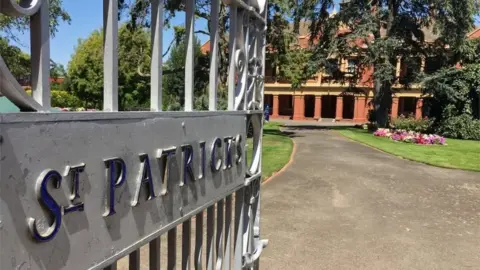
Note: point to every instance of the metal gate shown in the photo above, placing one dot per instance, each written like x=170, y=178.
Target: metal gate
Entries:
x=91, y=190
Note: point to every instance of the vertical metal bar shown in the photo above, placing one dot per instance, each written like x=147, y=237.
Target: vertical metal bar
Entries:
x=210, y=235
x=248, y=223
x=134, y=260
x=190, y=55
x=256, y=223
x=228, y=236
x=263, y=44
x=232, y=48
x=214, y=58
x=238, y=240
x=246, y=55
x=186, y=244
x=219, y=241
x=198, y=240
x=40, y=51
x=113, y=266
x=157, y=61
x=154, y=253
x=172, y=249
x=110, y=55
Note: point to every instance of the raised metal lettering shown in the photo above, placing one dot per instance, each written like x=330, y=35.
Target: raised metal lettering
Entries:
x=164, y=157
x=144, y=178
x=187, y=163
x=47, y=200
x=203, y=158
x=74, y=172
x=216, y=163
x=228, y=152
x=239, y=149
x=115, y=179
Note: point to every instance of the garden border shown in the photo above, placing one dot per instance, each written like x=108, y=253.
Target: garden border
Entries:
x=290, y=161
x=400, y=157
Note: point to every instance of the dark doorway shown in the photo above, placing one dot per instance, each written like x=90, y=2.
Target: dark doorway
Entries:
x=348, y=107
x=329, y=105
x=427, y=107
x=309, y=105
x=407, y=106
x=285, y=105
x=268, y=100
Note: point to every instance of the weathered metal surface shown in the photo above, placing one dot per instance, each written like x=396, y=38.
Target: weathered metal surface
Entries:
x=34, y=144
x=40, y=55
x=156, y=61
x=190, y=53
x=110, y=55
x=214, y=56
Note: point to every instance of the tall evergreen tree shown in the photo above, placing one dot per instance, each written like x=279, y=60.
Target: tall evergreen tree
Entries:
x=380, y=31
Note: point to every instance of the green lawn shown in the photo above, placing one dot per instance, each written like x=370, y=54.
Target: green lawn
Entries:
x=458, y=154
x=276, y=151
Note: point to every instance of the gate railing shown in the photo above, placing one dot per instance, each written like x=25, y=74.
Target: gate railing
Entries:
x=218, y=205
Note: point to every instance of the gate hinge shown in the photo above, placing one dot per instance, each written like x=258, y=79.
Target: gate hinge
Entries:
x=250, y=258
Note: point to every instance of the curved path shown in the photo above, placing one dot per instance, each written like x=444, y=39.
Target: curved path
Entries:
x=342, y=205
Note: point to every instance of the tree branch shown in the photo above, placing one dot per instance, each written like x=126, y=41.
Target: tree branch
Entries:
x=202, y=32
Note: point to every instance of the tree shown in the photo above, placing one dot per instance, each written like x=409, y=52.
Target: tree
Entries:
x=174, y=77
x=454, y=102
x=85, y=69
x=379, y=31
x=279, y=36
x=17, y=61
x=9, y=25
x=57, y=70
x=138, y=16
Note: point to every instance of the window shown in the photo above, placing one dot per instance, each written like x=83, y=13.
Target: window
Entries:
x=331, y=66
x=352, y=66
x=432, y=64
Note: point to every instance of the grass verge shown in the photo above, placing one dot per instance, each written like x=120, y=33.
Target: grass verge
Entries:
x=457, y=154
x=276, y=151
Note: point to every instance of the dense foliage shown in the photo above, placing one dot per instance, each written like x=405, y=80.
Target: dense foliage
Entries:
x=174, y=78
x=410, y=123
x=10, y=25
x=85, y=69
x=63, y=99
x=17, y=61
x=454, y=102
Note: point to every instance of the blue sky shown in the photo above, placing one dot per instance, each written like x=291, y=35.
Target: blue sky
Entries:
x=86, y=17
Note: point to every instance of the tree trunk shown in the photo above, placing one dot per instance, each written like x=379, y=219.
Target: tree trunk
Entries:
x=382, y=102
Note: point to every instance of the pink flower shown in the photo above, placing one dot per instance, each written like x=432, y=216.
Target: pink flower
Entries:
x=410, y=136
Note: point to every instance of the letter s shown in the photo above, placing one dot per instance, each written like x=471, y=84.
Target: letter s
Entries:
x=46, y=199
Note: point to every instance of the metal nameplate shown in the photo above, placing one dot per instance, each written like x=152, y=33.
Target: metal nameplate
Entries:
x=80, y=190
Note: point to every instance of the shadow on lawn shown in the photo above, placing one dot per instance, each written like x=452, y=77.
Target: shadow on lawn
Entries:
x=314, y=127
x=277, y=132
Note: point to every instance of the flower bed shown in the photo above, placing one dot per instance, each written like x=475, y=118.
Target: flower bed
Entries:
x=410, y=136
x=76, y=110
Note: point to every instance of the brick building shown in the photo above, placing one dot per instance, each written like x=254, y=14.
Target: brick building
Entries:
x=324, y=96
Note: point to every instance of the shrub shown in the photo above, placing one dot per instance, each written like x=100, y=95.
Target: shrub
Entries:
x=461, y=127
x=412, y=124
x=63, y=99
